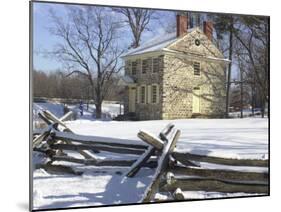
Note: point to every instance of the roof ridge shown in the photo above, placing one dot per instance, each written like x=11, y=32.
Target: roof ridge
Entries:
x=155, y=41
x=149, y=43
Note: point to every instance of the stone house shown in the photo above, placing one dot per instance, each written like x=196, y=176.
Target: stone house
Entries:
x=175, y=76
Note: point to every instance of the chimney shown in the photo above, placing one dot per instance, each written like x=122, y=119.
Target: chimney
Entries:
x=182, y=25
x=208, y=29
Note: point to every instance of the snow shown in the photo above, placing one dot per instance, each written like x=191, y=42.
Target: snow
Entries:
x=55, y=108
x=109, y=110
x=103, y=139
x=98, y=186
x=232, y=138
x=193, y=195
x=211, y=195
x=247, y=113
x=157, y=43
x=234, y=168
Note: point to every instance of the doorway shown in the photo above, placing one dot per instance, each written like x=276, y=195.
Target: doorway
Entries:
x=196, y=100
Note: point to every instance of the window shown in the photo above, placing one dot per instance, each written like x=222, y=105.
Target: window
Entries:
x=196, y=67
x=148, y=94
x=145, y=66
x=154, y=94
x=134, y=67
x=161, y=63
x=155, y=65
x=142, y=95
x=128, y=67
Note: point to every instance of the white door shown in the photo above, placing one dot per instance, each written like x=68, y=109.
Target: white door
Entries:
x=196, y=100
x=132, y=99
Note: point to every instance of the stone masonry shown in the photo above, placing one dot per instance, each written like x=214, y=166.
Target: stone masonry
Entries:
x=176, y=79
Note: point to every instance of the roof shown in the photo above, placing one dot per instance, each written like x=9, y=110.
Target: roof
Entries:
x=125, y=80
x=161, y=42
x=155, y=44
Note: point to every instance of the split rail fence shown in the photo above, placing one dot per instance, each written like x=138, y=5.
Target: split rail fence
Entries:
x=175, y=172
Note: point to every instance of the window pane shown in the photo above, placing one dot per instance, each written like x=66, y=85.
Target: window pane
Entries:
x=143, y=94
x=196, y=67
x=144, y=66
x=154, y=94
x=155, y=65
x=134, y=68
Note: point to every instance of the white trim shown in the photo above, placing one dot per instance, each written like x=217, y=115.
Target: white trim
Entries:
x=146, y=54
x=132, y=67
x=157, y=93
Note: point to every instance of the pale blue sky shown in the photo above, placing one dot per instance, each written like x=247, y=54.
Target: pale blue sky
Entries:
x=44, y=40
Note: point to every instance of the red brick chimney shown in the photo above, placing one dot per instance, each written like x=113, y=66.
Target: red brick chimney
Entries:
x=208, y=29
x=182, y=24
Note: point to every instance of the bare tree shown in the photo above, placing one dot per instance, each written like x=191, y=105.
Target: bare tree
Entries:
x=253, y=37
x=138, y=20
x=225, y=28
x=89, y=47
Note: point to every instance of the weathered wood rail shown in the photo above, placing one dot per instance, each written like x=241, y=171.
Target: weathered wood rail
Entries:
x=224, y=161
x=175, y=172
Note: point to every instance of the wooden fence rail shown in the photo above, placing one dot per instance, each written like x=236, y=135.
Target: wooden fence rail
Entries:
x=175, y=171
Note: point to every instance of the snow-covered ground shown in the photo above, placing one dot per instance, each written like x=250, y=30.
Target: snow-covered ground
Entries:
x=230, y=138
x=109, y=110
x=247, y=113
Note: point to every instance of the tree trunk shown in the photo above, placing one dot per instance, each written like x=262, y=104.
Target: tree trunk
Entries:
x=262, y=107
x=253, y=100
x=229, y=72
x=98, y=110
x=241, y=93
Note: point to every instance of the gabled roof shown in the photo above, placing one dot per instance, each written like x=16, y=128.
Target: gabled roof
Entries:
x=165, y=42
x=155, y=44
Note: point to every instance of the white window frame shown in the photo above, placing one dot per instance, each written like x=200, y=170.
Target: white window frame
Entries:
x=157, y=94
x=142, y=66
x=135, y=61
x=153, y=65
x=142, y=102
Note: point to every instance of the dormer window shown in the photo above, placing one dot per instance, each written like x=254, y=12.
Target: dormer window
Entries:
x=196, y=68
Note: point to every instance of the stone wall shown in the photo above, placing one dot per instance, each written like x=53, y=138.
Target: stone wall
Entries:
x=179, y=81
x=147, y=111
x=188, y=45
x=176, y=80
